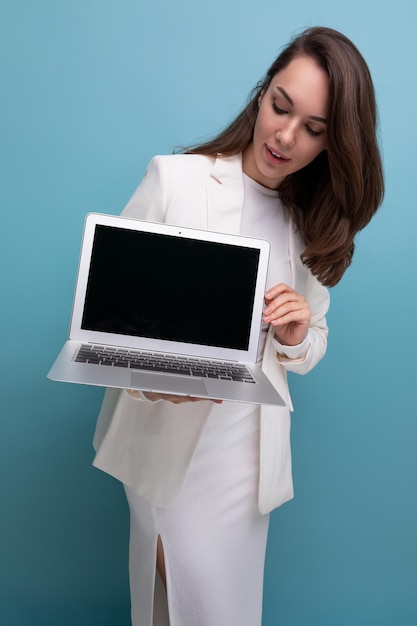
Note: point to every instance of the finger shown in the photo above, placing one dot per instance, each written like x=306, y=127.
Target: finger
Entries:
x=283, y=306
x=289, y=320
x=277, y=290
x=290, y=316
x=282, y=298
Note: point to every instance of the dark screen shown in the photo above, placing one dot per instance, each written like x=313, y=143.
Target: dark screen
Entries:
x=170, y=287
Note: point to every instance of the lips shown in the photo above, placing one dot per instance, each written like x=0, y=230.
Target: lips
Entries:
x=276, y=156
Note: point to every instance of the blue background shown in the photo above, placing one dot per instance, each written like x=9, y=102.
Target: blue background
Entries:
x=90, y=90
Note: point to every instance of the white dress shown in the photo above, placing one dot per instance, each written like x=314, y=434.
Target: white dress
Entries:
x=214, y=537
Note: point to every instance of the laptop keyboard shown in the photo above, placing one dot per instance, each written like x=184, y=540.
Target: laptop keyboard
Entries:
x=155, y=362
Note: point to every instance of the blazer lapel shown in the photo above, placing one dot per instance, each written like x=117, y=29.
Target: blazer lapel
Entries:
x=225, y=195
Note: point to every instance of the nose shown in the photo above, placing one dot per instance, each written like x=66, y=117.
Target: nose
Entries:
x=286, y=135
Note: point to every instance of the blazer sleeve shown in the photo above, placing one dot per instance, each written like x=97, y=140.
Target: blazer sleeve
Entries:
x=304, y=282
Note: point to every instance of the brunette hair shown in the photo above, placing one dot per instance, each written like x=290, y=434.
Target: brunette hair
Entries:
x=334, y=197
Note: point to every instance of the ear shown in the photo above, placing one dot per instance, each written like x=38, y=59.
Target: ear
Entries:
x=261, y=97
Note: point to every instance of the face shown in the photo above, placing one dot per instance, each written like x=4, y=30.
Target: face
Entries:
x=290, y=130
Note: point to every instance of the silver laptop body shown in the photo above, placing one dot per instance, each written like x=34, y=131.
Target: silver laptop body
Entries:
x=167, y=309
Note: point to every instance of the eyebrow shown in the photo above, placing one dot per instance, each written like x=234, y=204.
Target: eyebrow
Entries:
x=291, y=102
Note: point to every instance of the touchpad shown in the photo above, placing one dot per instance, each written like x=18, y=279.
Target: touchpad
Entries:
x=168, y=384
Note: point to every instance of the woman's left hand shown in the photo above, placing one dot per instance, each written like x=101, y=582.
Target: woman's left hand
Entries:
x=288, y=312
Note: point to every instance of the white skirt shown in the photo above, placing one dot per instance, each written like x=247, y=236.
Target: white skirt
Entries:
x=214, y=537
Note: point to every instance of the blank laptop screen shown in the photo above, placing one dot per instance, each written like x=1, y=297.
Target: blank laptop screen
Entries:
x=171, y=288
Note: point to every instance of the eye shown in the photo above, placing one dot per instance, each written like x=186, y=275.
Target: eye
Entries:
x=278, y=109
x=314, y=133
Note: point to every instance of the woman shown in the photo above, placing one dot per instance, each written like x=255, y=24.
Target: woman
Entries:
x=299, y=166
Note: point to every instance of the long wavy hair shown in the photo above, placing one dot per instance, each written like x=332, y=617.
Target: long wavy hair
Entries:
x=334, y=197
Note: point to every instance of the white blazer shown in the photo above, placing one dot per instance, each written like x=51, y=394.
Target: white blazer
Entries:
x=149, y=446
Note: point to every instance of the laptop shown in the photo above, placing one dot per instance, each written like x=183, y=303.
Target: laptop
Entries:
x=167, y=309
